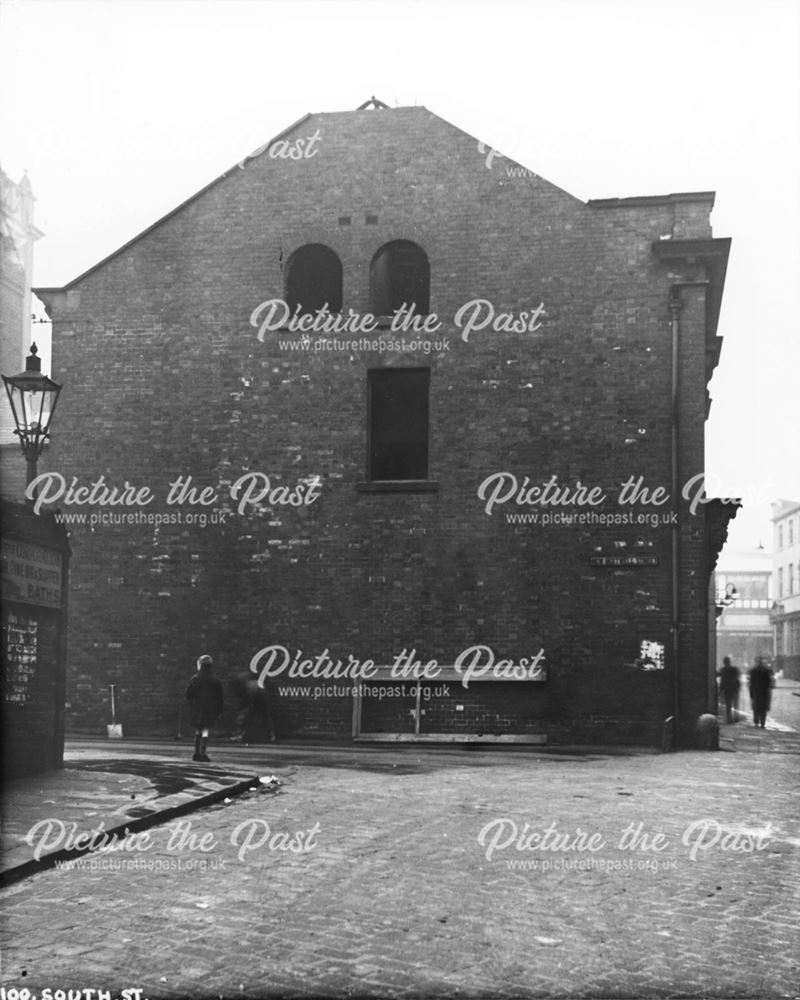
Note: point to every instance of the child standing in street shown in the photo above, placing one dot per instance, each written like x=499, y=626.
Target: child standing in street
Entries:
x=205, y=698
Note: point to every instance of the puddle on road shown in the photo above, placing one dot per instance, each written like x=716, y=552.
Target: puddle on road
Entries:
x=166, y=778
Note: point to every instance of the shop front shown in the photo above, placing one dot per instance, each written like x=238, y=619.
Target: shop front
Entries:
x=35, y=565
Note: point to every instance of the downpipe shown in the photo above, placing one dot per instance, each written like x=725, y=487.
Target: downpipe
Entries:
x=675, y=308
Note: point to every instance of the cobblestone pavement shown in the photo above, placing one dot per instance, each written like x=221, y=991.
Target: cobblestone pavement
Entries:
x=786, y=703
x=107, y=789
x=783, y=718
x=406, y=880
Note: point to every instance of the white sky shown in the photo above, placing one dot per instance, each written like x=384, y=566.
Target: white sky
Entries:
x=119, y=110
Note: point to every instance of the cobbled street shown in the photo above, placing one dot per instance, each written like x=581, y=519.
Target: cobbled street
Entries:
x=372, y=876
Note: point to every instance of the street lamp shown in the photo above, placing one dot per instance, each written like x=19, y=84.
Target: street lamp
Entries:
x=33, y=399
x=731, y=596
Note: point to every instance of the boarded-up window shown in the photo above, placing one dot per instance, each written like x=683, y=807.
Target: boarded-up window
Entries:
x=398, y=423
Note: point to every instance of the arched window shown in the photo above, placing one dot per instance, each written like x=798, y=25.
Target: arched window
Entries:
x=400, y=274
x=314, y=277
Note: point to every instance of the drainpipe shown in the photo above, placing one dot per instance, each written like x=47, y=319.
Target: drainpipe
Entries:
x=675, y=307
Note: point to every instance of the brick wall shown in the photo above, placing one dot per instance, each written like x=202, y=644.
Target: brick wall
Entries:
x=187, y=389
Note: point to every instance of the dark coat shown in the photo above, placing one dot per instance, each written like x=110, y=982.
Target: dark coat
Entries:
x=205, y=697
x=729, y=682
x=760, y=684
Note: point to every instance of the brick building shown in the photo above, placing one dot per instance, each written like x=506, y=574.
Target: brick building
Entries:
x=553, y=344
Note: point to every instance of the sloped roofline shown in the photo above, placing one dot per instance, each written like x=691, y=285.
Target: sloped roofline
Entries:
x=42, y=291
x=178, y=208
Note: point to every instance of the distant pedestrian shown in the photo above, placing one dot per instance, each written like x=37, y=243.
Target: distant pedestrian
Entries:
x=205, y=698
x=729, y=684
x=760, y=684
x=253, y=707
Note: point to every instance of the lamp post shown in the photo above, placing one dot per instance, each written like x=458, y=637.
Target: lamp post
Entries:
x=731, y=596
x=33, y=399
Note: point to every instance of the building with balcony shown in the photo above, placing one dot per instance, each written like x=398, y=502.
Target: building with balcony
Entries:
x=786, y=586
x=743, y=581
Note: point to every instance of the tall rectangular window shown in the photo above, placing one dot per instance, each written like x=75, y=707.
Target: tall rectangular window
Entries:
x=398, y=423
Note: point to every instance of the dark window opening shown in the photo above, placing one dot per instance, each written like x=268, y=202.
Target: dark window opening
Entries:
x=314, y=278
x=400, y=274
x=398, y=423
